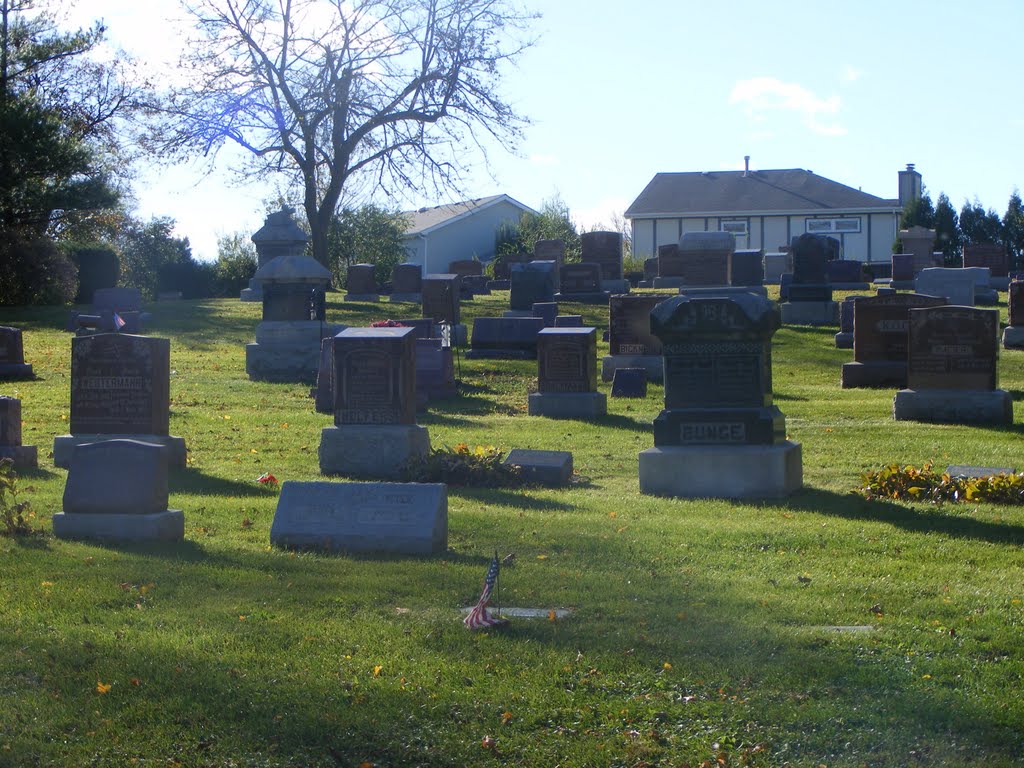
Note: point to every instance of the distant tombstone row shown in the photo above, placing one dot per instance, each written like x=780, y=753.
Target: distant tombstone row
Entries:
x=581, y=282
x=113, y=310
x=120, y=388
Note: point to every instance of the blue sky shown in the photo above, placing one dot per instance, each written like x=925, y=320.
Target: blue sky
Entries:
x=617, y=92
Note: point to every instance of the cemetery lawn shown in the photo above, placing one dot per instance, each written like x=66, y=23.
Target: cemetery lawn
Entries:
x=819, y=630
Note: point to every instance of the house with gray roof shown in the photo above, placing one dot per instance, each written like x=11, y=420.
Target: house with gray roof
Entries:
x=435, y=237
x=767, y=209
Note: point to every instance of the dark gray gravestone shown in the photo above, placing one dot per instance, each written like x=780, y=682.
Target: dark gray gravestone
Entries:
x=629, y=382
x=531, y=283
x=422, y=327
x=580, y=278
x=902, y=267
x=880, y=326
x=362, y=280
x=719, y=435
x=988, y=255
x=441, y=298
x=117, y=489
x=466, y=268
x=651, y=268
x=569, y=321
x=505, y=337
x=546, y=311
x=406, y=279
x=630, y=325
x=952, y=348
x=503, y=264
x=605, y=250
x=23, y=456
x=120, y=384
x=324, y=392
x=402, y=518
x=718, y=386
x=552, y=468
x=843, y=271
x=968, y=470
x=293, y=302
x=435, y=369
x=811, y=254
x=567, y=360
x=747, y=267
x=374, y=376
x=12, y=354
x=1016, y=303
x=951, y=368
x=550, y=250
x=704, y=257
x=669, y=262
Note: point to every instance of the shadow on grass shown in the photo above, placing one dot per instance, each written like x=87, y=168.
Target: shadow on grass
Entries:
x=915, y=519
x=519, y=498
x=190, y=480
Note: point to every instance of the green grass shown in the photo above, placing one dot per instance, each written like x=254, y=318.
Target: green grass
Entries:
x=702, y=631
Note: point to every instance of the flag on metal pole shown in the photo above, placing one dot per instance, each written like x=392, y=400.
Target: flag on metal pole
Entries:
x=479, y=618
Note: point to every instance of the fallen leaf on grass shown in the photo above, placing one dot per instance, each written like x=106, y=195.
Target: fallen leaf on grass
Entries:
x=102, y=688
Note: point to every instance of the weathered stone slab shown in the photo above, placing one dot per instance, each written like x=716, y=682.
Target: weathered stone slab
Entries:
x=604, y=249
x=377, y=451
x=440, y=298
x=552, y=468
x=990, y=255
x=117, y=489
x=12, y=354
x=505, y=337
x=954, y=406
x=361, y=282
x=546, y=311
x=531, y=283
x=731, y=472
x=969, y=470
x=435, y=369
x=629, y=382
x=953, y=347
x=302, y=302
x=23, y=456
x=629, y=324
x=401, y=518
x=406, y=278
x=746, y=267
x=569, y=321
x=374, y=376
x=955, y=285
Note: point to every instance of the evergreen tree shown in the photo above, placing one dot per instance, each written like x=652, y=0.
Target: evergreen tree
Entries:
x=947, y=231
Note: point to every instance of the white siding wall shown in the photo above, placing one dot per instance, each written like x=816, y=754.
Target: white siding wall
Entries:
x=643, y=238
x=469, y=237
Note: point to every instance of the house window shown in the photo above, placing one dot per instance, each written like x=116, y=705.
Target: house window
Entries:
x=823, y=226
x=735, y=227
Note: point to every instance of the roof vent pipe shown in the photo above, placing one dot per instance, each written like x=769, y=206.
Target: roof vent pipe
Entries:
x=746, y=165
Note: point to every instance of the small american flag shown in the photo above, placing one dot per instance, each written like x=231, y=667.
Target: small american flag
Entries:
x=479, y=618
x=119, y=322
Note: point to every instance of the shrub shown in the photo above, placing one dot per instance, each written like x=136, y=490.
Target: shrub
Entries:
x=925, y=484
x=479, y=467
x=14, y=514
x=34, y=272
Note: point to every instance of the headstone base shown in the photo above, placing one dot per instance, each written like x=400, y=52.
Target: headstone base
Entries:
x=568, y=405
x=404, y=518
x=899, y=285
x=722, y=472
x=653, y=364
x=23, y=456
x=999, y=283
x=499, y=285
x=669, y=282
x=844, y=340
x=810, y=313
x=168, y=525
x=16, y=371
x=953, y=406
x=378, y=451
x=1013, y=337
x=409, y=298
x=518, y=313
x=500, y=354
x=551, y=468
x=372, y=297
x=986, y=298
x=272, y=362
x=615, y=286
x=885, y=374
x=850, y=286
x=596, y=297
x=724, y=290
x=64, y=446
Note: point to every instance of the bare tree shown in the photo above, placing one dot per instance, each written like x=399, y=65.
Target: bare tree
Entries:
x=330, y=91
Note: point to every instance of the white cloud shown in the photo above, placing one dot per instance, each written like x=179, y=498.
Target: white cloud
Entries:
x=544, y=161
x=851, y=74
x=601, y=215
x=760, y=95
